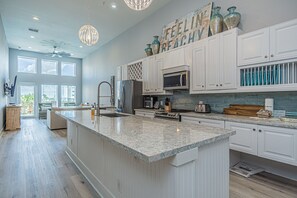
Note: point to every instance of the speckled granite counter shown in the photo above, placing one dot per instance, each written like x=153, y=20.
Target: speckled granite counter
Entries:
x=148, y=139
x=244, y=119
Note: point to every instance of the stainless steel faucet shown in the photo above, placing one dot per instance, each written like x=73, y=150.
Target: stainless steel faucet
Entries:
x=98, y=96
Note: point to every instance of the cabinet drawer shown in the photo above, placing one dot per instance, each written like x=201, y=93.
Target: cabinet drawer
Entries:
x=202, y=121
x=145, y=114
x=245, y=139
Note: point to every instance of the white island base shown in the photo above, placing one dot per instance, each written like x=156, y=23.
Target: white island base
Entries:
x=114, y=172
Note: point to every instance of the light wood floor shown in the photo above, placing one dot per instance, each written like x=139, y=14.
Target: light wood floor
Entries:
x=33, y=164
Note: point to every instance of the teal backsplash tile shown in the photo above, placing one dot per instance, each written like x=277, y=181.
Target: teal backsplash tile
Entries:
x=282, y=100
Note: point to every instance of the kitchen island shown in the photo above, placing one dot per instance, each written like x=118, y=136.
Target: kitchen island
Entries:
x=136, y=157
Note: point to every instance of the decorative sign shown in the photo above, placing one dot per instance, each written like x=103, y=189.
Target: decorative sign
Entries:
x=192, y=27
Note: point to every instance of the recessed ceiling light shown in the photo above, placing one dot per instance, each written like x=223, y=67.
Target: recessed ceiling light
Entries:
x=30, y=47
x=35, y=18
x=32, y=37
x=81, y=46
x=113, y=5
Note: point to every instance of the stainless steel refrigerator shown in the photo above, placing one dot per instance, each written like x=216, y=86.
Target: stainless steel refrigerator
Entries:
x=129, y=96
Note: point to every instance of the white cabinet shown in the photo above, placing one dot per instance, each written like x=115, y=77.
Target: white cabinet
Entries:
x=124, y=72
x=278, y=144
x=204, y=122
x=198, y=67
x=221, y=60
x=72, y=136
x=283, y=41
x=153, y=76
x=246, y=138
x=274, y=43
x=253, y=47
x=148, y=114
x=119, y=73
x=174, y=57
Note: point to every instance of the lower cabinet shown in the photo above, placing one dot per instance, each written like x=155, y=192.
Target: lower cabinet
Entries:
x=246, y=137
x=72, y=136
x=278, y=144
x=145, y=114
x=274, y=143
x=205, y=122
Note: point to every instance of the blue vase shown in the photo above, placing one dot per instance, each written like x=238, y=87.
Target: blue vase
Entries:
x=232, y=19
x=216, y=21
x=148, y=50
x=156, y=45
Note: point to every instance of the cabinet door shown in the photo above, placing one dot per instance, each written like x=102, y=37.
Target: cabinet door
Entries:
x=152, y=84
x=283, y=41
x=253, y=47
x=159, y=62
x=245, y=139
x=119, y=73
x=72, y=137
x=145, y=76
x=204, y=122
x=198, y=67
x=174, y=57
x=278, y=144
x=213, y=63
x=228, y=55
x=125, y=72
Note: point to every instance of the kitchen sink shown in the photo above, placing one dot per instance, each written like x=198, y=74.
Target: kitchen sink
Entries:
x=113, y=115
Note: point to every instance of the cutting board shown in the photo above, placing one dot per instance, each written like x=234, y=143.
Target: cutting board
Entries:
x=243, y=109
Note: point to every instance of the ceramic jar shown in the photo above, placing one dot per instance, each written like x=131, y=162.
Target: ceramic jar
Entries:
x=148, y=50
x=216, y=21
x=156, y=45
x=232, y=19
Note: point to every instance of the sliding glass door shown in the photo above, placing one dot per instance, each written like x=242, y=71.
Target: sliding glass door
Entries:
x=27, y=100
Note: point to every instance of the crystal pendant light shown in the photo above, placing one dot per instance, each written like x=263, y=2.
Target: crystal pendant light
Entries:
x=88, y=35
x=138, y=4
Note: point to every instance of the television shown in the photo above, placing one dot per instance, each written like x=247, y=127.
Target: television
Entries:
x=9, y=90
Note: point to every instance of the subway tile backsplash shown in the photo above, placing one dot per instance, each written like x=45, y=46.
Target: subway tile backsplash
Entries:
x=282, y=100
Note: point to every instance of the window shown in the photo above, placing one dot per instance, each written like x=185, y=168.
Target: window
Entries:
x=49, y=67
x=68, y=69
x=49, y=93
x=68, y=95
x=26, y=64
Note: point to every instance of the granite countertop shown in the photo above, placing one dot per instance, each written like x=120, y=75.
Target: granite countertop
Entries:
x=148, y=139
x=276, y=122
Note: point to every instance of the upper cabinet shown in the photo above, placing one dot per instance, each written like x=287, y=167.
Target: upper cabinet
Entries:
x=153, y=76
x=283, y=41
x=198, y=67
x=214, y=63
x=275, y=43
x=176, y=57
x=253, y=47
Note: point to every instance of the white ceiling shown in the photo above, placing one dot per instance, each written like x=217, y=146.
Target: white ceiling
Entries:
x=60, y=21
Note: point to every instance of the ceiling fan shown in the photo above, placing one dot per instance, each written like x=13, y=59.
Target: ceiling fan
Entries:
x=58, y=54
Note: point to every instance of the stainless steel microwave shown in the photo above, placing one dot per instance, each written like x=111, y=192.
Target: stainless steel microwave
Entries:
x=176, y=80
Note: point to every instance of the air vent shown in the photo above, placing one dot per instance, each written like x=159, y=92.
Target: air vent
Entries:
x=33, y=30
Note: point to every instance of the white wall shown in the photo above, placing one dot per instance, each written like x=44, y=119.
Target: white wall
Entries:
x=3, y=72
x=130, y=45
x=38, y=79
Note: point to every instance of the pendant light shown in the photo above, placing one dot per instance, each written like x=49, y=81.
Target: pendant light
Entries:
x=88, y=35
x=138, y=4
